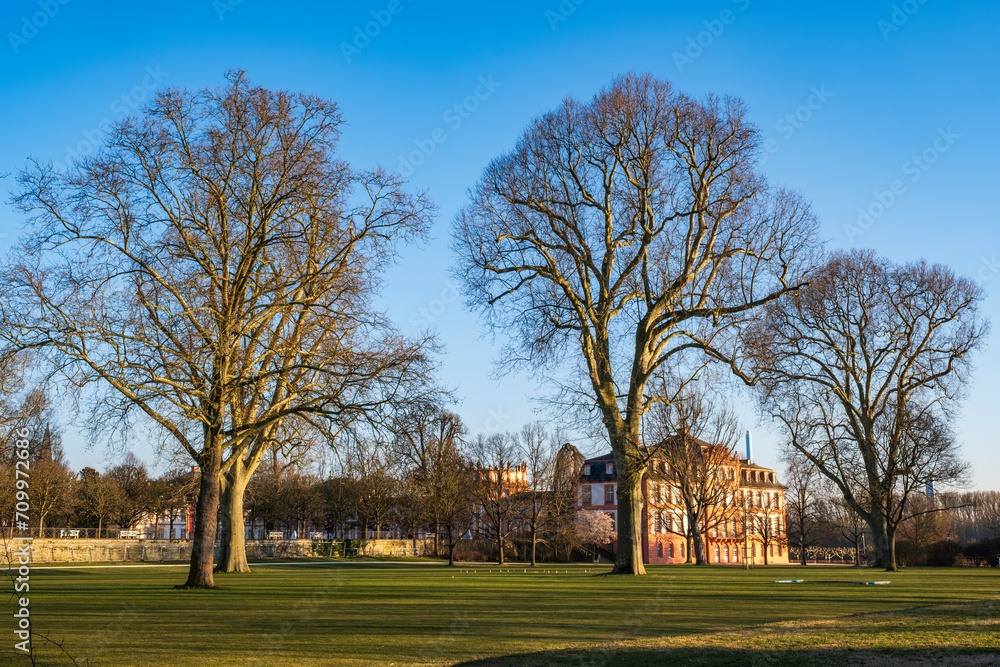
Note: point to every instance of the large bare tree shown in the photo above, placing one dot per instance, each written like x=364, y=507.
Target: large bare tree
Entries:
x=200, y=269
x=623, y=232
x=864, y=369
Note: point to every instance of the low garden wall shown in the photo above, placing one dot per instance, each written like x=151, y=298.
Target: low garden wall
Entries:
x=127, y=550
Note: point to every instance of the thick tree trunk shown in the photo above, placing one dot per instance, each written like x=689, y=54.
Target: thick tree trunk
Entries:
x=203, y=544
x=534, y=544
x=628, y=558
x=698, y=538
x=689, y=549
x=885, y=544
x=233, y=554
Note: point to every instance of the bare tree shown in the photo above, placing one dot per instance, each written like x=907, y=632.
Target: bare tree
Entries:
x=51, y=489
x=767, y=530
x=623, y=232
x=212, y=270
x=536, y=503
x=426, y=443
x=702, y=471
x=561, y=525
x=134, y=498
x=803, y=523
x=98, y=497
x=497, y=479
x=863, y=370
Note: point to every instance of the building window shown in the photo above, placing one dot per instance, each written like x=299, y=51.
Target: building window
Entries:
x=609, y=494
x=682, y=550
x=586, y=469
x=725, y=554
x=771, y=550
x=657, y=496
x=609, y=468
x=659, y=550
x=587, y=499
x=612, y=520
x=736, y=554
x=718, y=558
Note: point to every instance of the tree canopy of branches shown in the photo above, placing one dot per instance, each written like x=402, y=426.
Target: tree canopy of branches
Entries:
x=863, y=370
x=211, y=269
x=624, y=232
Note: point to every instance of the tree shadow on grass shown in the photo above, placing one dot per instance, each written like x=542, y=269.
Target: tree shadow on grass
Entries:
x=715, y=657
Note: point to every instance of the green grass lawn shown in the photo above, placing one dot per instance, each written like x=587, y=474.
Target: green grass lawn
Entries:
x=365, y=613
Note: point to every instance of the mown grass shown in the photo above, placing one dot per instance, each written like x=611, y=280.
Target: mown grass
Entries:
x=366, y=613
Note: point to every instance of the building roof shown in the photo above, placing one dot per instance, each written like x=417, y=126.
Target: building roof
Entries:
x=598, y=469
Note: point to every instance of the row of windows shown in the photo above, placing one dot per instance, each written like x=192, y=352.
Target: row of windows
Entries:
x=723, y=554
x=609, y=469
x=665, y=494
x=609, y=494
x=664, y=522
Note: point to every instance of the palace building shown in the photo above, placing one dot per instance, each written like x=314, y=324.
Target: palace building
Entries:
x=743, y=518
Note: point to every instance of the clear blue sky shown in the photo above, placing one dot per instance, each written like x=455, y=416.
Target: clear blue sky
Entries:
x=848, y=93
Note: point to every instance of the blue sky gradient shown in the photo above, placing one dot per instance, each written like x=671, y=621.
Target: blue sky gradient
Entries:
x=860, y=103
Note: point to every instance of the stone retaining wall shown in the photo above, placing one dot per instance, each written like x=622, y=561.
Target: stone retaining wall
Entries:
x=119, y=550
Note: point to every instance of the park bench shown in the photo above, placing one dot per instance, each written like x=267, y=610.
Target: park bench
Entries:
x=275, y=535
x=125, y=534
x=63, y=532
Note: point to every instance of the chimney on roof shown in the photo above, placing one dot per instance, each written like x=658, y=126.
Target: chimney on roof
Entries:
x=749, y=448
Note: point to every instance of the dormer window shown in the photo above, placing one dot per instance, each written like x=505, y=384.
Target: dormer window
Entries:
x=609, y=468
x=586, y=469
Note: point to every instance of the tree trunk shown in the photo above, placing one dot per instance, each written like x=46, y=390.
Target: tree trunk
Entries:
x=698, y=538
x=451, y=547
x=534, y=544
x=437, y=535
x=628, y=556
x=884, y=538
x=203, y=544
x=233, y=554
